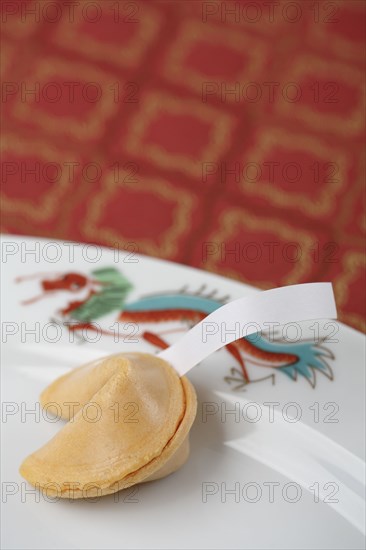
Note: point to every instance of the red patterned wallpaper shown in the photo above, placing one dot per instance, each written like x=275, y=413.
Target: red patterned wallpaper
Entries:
x=223, y=135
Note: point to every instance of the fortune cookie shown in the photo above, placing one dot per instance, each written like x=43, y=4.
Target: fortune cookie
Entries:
x=129, y=417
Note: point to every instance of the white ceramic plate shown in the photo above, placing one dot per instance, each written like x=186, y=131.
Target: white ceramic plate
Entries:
x=284, y=469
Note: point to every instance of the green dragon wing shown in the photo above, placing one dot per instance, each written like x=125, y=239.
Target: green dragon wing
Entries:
x=110, y=298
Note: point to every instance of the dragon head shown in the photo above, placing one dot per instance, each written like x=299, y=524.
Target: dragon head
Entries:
x=70, y=282
x=73, y=282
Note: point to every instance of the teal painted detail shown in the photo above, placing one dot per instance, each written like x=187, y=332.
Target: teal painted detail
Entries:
x=309, y=356
x=173, y=301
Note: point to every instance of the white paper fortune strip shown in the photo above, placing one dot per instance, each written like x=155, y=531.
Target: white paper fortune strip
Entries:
x=280, y=305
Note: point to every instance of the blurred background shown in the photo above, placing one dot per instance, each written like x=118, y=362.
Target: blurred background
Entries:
x=223, y=135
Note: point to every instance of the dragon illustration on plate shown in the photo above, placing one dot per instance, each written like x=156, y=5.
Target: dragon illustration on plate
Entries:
x=107, y=291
